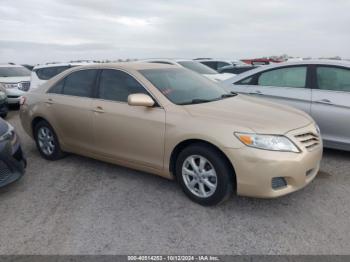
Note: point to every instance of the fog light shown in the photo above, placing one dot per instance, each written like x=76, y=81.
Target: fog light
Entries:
x=278, y=182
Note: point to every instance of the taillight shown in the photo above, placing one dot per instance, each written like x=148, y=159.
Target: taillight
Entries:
x=22, y=100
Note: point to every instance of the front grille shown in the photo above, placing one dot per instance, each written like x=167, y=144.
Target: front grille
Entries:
x=308, y=140
x=24, y=86
x=5, y=172
x=278, y=182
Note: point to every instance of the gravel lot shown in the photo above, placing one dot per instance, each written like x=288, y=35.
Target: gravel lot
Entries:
x=82, y=206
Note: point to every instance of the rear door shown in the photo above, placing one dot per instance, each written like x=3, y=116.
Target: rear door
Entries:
x=68, y=109
x=331, y=104
x=287, y=85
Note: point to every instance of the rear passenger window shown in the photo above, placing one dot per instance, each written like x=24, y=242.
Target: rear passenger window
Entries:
x=116, y=85
x=284, y=77
x=333, y=78
x=80, y=83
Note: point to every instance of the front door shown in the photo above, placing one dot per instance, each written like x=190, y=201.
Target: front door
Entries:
x=124, y=132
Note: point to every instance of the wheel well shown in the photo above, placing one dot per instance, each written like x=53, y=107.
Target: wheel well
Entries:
x=189, y=142
x=35, y=122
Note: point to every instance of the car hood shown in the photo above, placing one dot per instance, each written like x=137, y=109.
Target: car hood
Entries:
x=255, y=114
x=219, y=77
x=14, y=79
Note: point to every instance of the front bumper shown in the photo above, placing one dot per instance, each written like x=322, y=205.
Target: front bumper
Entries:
x=14, y=95
x=256, y=168
x=12, y=162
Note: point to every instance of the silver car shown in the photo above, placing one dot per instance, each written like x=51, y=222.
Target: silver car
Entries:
x=320, y=88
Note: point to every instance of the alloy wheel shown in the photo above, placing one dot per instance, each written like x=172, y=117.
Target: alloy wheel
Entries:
x=46, y=140
x=199, y=176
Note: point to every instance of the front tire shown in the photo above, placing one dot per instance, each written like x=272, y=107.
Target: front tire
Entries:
x=47, y=141
x=204, y=175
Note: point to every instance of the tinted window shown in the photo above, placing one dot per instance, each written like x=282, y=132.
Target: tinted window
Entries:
x=80, y=83
x=211, y=64
x=49, y=72
x=222, y=64
x=184, y=87
x=284, y=77
x=198, y=67
x=14, y=71
x=57, y=88
x=333, y=78
x=117, y=86
x=236, y=70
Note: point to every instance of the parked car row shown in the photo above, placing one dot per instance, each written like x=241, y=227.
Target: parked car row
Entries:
x=173, y=122
x=193, y=66
x=224, y=66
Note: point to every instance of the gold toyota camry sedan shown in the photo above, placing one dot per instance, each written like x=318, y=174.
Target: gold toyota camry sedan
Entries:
x=177, y=124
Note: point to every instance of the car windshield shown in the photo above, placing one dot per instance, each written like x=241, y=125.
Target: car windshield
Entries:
x=183, y=87
x=198, y=67
x=14, y=71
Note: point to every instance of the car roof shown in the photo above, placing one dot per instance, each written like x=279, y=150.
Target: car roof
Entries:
x=128, y=65
x=283, y=64
x=173, y=60
x=61, y=64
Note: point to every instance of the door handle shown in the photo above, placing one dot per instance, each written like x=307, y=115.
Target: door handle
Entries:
x=98, y=109
x=324, y=101
x=49, y=101
x=257, y=92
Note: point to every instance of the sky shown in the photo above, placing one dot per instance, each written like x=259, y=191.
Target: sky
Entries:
x=40, y=31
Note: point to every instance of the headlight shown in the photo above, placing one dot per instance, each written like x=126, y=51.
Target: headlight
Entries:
x=10, y=85
x=268, y=142
x=9, y=135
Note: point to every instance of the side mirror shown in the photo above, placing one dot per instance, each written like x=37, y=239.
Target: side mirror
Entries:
x=140, y=100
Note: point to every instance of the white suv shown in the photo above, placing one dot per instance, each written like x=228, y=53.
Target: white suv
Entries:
x=14, y=81
x=42, y=73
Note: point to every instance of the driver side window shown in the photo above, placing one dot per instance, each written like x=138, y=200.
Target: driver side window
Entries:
x=117, y=85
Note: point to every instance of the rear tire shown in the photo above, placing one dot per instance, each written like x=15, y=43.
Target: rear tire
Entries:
x=204, y=175
x=47, y=142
